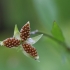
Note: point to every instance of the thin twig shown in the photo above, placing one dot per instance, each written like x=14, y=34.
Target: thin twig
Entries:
x=51, y=37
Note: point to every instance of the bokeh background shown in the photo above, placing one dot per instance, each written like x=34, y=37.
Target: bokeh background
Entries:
x=41, y=14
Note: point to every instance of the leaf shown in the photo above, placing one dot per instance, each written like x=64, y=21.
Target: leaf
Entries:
x=36, y=38
x=16, y=32
x=57, y=33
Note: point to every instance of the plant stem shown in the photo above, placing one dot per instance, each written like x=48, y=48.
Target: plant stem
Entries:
x=51, y=37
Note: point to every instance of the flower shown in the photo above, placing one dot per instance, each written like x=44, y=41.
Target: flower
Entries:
x=22, y=39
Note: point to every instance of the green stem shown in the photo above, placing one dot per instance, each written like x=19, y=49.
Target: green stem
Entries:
x=51, y=37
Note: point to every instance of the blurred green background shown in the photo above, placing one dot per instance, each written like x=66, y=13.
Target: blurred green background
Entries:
x=41, y=14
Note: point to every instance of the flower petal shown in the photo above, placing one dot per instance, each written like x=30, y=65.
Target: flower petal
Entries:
x=29, y=50
x=1, y=43
x=36, y=38
x=25, y=32
x=30, y=41
x=11, y=42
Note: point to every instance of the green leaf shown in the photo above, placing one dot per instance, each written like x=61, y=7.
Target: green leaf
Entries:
x=36, y=38
x=16, y=32
x=57, y=33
